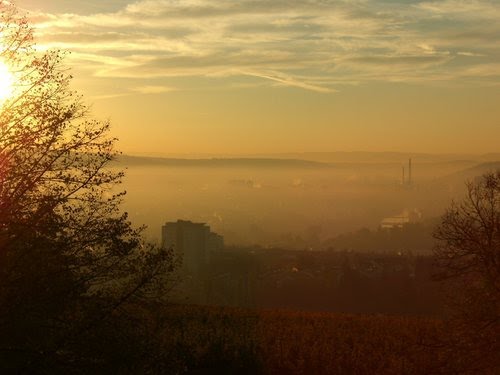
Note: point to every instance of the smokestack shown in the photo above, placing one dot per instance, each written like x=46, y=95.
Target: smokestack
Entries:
x=403, y=175
x=409, y=172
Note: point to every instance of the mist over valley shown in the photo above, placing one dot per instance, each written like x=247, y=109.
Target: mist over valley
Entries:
x=275, y=201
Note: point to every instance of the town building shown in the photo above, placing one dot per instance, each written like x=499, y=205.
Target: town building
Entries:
x=398, y=221
x=193, y=242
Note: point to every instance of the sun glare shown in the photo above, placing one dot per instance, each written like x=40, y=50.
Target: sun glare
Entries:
x=6, y=81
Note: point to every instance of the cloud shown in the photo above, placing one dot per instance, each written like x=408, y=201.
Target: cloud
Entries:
x=290, y=81
x=153, y=89
x=470, y=54
x=316, y=45
x=143, y=90
x=463, y=9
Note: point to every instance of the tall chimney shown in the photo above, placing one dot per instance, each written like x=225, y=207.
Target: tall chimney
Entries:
x=409, y=172
x=403, y=175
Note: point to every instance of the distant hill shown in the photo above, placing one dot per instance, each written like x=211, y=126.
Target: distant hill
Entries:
x=480, y=169
x=389, y=157
x=472, y=172
x=354, y=161
x=354, y=157
x=143, y=161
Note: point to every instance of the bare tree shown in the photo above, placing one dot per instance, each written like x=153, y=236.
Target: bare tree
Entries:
x=468, y=255
x=69, y=259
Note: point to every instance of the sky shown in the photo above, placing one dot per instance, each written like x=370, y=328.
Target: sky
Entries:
x=271, y=76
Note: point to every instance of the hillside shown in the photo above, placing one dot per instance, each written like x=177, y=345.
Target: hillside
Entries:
x=354, y=157
x=470, y=173
x=143, y=161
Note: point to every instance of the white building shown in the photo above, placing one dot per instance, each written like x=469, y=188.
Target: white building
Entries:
x=398, y=221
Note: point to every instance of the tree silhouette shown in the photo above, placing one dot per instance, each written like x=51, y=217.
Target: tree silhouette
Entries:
x=468, y=254
x=69, y=259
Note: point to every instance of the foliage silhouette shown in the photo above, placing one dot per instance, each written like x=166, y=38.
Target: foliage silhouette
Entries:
x=71, y=264
x=468, y=255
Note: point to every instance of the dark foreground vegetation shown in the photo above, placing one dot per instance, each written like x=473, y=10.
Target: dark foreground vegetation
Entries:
x=182, y=339
x=211, y=340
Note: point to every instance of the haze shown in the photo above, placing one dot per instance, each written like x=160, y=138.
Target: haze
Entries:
x=298, y=201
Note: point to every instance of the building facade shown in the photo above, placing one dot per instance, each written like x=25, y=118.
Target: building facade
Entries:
x=193, y=242
x=404, y=218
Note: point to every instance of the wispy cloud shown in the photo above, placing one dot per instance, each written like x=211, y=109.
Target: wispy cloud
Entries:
x=463, y=9
x=289, y=81
x=315, y=45
x=153, y=89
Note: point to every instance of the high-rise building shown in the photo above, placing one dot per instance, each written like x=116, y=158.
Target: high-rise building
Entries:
x=194, y=242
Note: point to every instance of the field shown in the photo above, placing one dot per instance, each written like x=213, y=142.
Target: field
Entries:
x=201, y=340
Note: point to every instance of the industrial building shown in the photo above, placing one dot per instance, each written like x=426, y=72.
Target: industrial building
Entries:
x=398, y=221
x=407, y=182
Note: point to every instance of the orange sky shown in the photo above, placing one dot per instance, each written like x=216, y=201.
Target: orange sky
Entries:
x=199, y=76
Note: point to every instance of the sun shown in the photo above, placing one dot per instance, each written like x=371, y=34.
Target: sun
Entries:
x=6, y=81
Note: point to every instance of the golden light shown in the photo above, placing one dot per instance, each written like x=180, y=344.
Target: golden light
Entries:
x=6, y=82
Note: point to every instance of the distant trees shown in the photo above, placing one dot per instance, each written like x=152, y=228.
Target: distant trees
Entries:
x=69, y=259
x=411, y=238
x=468, y=254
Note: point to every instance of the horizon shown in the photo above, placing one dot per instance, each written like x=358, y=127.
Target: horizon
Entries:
x=290, y=153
